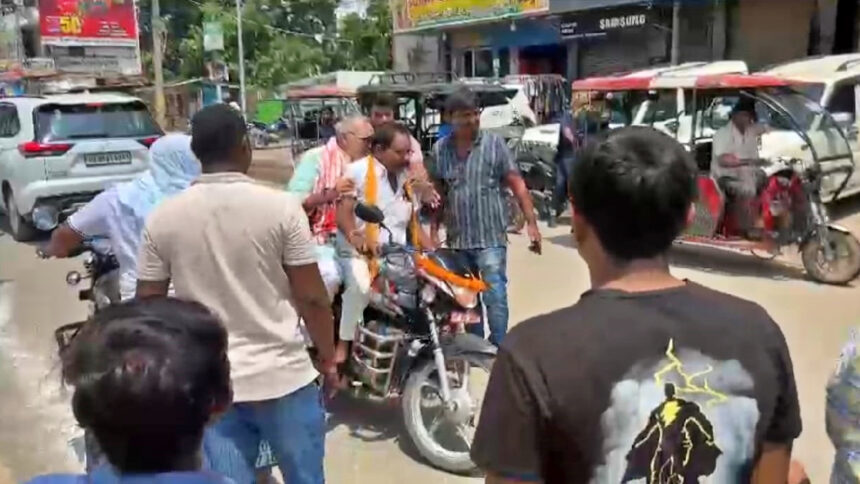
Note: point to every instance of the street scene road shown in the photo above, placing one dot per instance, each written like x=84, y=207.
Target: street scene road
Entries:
x=366, y=442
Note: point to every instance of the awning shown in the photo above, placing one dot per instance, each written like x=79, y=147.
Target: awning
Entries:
x=563, y=6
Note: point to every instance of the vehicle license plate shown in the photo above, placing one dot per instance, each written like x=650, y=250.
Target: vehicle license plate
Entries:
x=465, y=317
x=104, y=159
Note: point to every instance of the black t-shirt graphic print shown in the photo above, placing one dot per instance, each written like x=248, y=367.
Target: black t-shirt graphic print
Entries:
x=679, y=385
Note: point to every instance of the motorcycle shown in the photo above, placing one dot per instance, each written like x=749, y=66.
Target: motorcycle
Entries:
x=263, y=134
x=537, y=165
x=102, y=270
x=413, y=344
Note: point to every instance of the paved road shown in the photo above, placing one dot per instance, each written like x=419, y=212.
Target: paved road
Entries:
x=365, y=443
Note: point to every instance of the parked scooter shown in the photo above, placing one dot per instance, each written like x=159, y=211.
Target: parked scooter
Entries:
x=412, y=344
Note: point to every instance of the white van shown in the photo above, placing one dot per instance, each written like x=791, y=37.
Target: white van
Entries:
x=833, y=82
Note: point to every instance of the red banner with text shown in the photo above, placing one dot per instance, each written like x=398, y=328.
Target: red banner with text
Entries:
x=88, y=22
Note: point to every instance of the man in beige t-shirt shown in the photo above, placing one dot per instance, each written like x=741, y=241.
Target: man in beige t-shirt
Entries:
x=245, y=251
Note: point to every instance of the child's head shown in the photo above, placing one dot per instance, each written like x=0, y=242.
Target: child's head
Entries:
x=148, y=376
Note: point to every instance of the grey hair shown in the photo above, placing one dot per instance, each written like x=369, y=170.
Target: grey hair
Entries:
x=343, y=126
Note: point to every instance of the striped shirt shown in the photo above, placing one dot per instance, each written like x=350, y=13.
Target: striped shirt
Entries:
x=474, y=191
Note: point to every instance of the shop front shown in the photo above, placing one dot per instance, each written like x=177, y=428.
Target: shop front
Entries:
x=485, y=38
x=527, y=46
x=606, y=37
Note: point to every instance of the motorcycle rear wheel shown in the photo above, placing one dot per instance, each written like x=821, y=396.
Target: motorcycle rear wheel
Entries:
x=843, y=269
x=424, y=436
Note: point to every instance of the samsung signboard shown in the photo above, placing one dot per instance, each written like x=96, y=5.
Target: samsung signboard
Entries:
x=597, y=23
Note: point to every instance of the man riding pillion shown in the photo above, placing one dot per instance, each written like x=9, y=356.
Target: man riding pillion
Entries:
x=319, y=179
x=735, y=162
x=472, y=170
x=381, y=179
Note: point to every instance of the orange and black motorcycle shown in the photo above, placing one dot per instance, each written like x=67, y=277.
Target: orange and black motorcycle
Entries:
x=413, y=345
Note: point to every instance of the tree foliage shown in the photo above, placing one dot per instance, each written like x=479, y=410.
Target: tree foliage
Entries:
x=283, y=40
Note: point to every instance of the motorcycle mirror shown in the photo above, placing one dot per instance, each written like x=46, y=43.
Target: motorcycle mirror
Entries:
x=369, y=213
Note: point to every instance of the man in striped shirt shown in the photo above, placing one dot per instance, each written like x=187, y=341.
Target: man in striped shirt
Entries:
x=472, y=171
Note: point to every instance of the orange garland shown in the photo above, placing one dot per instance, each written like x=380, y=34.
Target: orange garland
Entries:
x=439, y=272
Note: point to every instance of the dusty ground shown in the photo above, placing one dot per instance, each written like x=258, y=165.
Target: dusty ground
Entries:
x=365, y=442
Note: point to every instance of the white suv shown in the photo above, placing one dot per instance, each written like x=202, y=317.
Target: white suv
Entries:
x=834, y=82
x=58, y=152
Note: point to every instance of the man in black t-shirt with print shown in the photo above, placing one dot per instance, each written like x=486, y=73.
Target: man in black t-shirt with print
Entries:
x=647, y=378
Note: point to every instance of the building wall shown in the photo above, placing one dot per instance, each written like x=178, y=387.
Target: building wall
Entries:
x=758, y=35
x=417, y=53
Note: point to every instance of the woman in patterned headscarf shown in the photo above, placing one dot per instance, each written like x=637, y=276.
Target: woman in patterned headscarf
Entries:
x=119, y=213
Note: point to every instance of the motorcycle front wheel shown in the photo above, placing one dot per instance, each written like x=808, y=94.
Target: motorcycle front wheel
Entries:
x=842, y=268
x=443, y=434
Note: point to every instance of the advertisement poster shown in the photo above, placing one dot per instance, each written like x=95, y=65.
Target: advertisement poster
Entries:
x=421, y=14
x=88, y=22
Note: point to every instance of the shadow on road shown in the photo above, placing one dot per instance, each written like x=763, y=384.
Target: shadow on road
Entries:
x=719, y=261
x=845, y=208
x=372, y=421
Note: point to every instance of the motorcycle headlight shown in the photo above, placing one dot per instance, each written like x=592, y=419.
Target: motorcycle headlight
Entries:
x=428, y=294
x=465, y=297
x=45, y=217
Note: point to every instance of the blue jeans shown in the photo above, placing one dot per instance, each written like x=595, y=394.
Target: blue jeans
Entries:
x=294, y=426
x=562, y=177
x=492, y=263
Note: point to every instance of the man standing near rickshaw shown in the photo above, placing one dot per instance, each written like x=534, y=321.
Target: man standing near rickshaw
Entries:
x=472, y=170
x=735, y=162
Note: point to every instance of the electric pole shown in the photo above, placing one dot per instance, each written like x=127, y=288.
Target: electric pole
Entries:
x=676, y=33
x=156, y=63
x=241, y=57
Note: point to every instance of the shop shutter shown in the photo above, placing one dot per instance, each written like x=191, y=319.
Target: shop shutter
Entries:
x=622, y=52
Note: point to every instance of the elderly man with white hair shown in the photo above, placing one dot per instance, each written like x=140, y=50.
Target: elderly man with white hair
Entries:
x=319, y=180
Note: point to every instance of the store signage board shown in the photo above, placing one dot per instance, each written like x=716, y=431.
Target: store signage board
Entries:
x=88, y=22
x=597, y=23
x=415, y=15
x=213, y=36
x=563, y=6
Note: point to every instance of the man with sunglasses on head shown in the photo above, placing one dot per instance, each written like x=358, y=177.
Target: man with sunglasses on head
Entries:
x=319, y=179
x=473, y=169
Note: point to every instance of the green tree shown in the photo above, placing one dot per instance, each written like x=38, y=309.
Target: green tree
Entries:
x=369, y=37
x=283, y=40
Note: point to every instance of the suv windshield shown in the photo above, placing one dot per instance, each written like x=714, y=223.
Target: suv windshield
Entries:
x=59, y=122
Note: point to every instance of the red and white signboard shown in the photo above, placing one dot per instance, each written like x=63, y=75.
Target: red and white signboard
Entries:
x=88, y=22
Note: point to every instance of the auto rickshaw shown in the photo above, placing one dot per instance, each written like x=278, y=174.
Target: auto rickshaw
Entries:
x=310, y=114
x=422, y=97
x=790, y=206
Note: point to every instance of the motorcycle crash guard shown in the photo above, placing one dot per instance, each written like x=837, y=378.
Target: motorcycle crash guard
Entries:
x=465, y=343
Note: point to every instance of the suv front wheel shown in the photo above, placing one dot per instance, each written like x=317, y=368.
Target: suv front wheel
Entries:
x=22, y=230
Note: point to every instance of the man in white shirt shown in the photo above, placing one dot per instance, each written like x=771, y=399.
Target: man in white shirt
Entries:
x=735, y=162
x=381, y=180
